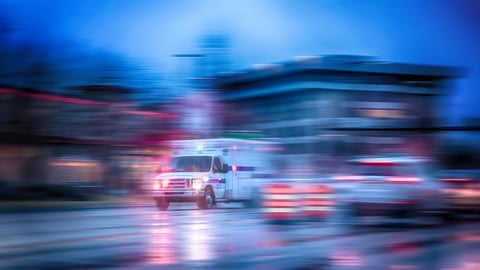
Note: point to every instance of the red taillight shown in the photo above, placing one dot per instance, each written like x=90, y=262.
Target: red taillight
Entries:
x=406, y=202
x=377, y=163
x=404, y=180
x=456, y=180
x=348, y=178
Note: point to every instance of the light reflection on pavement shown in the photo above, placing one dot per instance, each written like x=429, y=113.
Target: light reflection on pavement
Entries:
x=225, y=238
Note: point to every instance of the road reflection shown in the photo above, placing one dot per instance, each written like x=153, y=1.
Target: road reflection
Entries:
x=199, y=244
x=346, y=258
x=161, y=244
x=227, y=239
x=211, y=238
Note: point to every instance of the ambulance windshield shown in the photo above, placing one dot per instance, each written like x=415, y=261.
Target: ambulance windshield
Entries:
x=191, y=164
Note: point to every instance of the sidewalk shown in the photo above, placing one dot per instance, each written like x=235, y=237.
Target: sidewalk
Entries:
x=101, y=202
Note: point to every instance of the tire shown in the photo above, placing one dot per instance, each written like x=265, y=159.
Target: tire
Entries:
x=162, y=204
x=449, y=217
x=207, y=201
x=437, y=216
x=429, y=218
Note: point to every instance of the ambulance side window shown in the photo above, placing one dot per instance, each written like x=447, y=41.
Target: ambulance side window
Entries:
x=217, y=165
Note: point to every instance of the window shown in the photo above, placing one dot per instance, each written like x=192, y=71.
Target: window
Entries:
x=191, y=164
x=217, y=165
x=385, y=170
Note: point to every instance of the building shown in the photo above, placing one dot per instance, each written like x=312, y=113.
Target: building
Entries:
x=216, y=55
x=96, y=138
x=337, y=105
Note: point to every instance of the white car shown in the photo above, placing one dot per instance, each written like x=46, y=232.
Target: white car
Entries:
x=400, y=186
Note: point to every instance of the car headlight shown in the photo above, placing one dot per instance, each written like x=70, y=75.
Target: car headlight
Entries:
x=165, y=182
x=197, y=183
x=156, y=185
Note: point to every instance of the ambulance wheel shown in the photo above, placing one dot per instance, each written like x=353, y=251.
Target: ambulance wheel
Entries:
x=162, y=204
x=207, y=201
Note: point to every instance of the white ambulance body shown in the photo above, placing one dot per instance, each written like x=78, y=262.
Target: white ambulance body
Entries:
x=214, y=170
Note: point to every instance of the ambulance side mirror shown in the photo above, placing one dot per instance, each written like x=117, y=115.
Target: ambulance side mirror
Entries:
x=225, y=168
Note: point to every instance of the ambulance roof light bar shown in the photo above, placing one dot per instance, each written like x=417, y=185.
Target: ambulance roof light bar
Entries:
x=199, y=147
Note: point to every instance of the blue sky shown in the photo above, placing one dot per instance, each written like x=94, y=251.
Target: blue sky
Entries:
x=440, y=32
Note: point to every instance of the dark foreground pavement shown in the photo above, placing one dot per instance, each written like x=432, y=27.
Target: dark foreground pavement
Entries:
x=137, y=236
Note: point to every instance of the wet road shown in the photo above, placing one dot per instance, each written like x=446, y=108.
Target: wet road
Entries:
x=225, y=238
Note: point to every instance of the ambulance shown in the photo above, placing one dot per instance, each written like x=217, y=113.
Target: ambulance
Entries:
x=215, y=170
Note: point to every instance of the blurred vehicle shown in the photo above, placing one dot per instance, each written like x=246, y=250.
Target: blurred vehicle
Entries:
x=399, y=186
x=462, y=188
x=214, y=170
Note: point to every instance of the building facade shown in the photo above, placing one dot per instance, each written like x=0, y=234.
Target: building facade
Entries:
x=338, y=105
x=95, y=138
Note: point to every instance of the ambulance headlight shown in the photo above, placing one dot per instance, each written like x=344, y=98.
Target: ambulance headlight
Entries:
x=165, y=182
x=197, y=184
